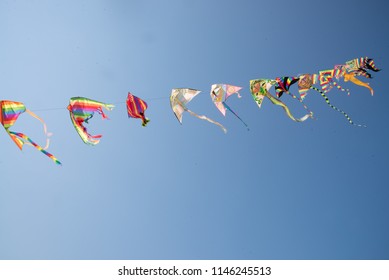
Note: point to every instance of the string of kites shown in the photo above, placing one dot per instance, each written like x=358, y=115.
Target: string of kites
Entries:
x=82, y=109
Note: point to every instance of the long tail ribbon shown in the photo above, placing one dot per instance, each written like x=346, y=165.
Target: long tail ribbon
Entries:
x=48, y=134
x=229, y=109
x=35, y=145
x=322, y=93
x=205, y=118
x=278, y=102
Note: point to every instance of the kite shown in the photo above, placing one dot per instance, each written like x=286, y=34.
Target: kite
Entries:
x=351, y=77
x=283, y=85
x=220, y=93
x=260, y=89
x=180, y=97
x=326, y=79
x=306, y=83
x=81, y=110
x=9, y=113
x=136, y=108
x=359, y=67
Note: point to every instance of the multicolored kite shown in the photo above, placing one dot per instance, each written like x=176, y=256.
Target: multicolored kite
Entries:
x=180, y=97
x=260, y=89
x=81, y=110
x=359, y=67
x=9, y=113
x=305, y=82
x=220, y=93
x=326, y=79
x=136, y=108
x=283, y=85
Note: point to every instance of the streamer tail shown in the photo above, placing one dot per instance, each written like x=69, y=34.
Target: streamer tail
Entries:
x=236, y=115
x=206, y=118
x=335, y=108
x=35, y=145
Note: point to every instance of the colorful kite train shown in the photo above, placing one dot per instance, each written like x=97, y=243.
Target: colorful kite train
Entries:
x=82, y=109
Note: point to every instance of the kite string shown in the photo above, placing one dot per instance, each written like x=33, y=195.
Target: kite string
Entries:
x=115, y=103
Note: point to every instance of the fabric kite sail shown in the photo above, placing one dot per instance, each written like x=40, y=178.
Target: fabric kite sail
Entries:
x=81, y=110
x=136, y=108
x=10, y=112
x=260, y=89
x=180, y=97
x=220, y=93
x=306, y=82
x=359, y=67
x=327, y=82
x=283, y=85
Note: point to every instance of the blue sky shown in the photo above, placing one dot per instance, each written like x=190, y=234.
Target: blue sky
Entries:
x=283, y=190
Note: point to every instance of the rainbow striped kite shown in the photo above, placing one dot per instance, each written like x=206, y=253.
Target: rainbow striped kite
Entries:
x=9, y=113
x=81, y=110
x=136, y=108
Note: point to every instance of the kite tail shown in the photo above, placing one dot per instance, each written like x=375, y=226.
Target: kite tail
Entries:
x=353, y=79
x=229, y=109
x=340, y=88
x=17, y=141
x=369, y=63
x=206, y=118
x=302, y=102
x=278, y=102
x=25, y=137
x=336, y=109
x=145, y=121
x=48, y=134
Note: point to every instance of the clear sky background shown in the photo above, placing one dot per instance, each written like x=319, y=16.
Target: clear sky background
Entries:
x=283, y=190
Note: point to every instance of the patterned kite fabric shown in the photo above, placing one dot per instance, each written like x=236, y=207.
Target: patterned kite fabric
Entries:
x=220, y=93
x=81, y=110
x=305, y=82
x=283, y=85
x=136, y=108
x=369, y=64
x=359, y=66
x=326, y=80
x=10, y=111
